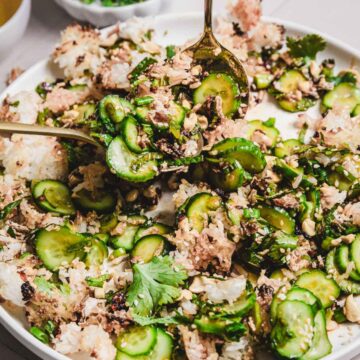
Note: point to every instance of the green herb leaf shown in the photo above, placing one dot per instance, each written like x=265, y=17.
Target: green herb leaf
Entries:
x=43, y=285
x=145, y=320
x=308, y=46
x=155, y=284
x=8, y=209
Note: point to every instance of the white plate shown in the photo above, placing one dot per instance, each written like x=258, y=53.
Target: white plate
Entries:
x=176, y=29
x=103, y=16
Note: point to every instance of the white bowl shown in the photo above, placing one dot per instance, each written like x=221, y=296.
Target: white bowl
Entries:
x=103, y=16
x=13, y=30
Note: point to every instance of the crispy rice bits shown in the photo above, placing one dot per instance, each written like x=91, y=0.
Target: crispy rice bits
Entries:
x=194, y=233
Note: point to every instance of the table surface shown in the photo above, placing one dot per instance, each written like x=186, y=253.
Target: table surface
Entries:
x=47, y=20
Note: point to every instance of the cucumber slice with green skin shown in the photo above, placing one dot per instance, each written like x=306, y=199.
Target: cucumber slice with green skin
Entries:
x=219, y=85
x=148, y=247
x=240, y=307
x=153, y=229
x=320, y=345
x=342, y=260
x=346, y=285
x=103, y=202
x=130, y=134
x=164, y=346
x=53, y=196
x=122, y=356
x=355, y=253
x=59, y=247
x=212, y=326
x=85, y=111
x=344, y=95
x=122, y=162
x=97, y=254
x=137, y=341
x=286, y=148
x=198, y=207
x=295, y=293
x=227, y=178
x=290, y=81
x=234, y=214
x=291, y=173
x=108, y=222
x=279, y=219
x=295, y=106
x=103, y=237
x=341, y=179
x=126, y=239
x=290, y=337
x=269, y=131
x=263, y=81
x=325, y=289
x=244, y=151
x=142, y=113
x=356, y=111
x=113, y=109
x=177, y=119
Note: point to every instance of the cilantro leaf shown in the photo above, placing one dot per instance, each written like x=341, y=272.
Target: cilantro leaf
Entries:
x=145, y=320
x=155, y=283
x=8, y=209
x=308, y=46
x=44, y=285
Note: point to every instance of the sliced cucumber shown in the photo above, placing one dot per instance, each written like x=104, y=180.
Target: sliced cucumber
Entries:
x=221, y=85
x=240, y=307
x=228, y=176
x=291, y=173
x=126, y=239
x=234, y=214
x=53, y=196
x=153, y=229
x=102, y=202
x=59, y=247
x=137, y=341
x=342, y=260
x=286, y=148
x=320, y=345
x=291, y=336
x=279, y=219
x=306, y=296
x=130, y=134
x=164, y=346
x=289, y=83
x=244, y=151
x=129, y=166
x=113, y=109
x=211, y=326
x=325, y=289
x=197, y=209
x=85, y=112
x=356, y=111
x=355, y=253
x=148, y=247
x=177, y=117
x=263, y=81
x=108, y=222
x=270, y=132
x=347, y=286
x=344, y=95
x=97, y=253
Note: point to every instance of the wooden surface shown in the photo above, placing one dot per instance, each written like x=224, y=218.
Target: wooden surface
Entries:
x=338, y=18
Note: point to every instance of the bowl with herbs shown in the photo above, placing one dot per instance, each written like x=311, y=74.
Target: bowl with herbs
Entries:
x=196, y=231
x=107, y=12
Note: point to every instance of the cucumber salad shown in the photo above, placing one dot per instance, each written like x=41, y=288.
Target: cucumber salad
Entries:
x=196, y=231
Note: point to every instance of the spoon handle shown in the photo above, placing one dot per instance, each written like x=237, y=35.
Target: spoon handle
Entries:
x=17, y=128
x=208, y=16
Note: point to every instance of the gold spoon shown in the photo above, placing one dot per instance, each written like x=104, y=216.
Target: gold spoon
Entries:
x=215, y=58
x=17, y=128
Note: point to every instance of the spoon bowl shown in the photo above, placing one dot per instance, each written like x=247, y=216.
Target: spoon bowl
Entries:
x=213, y=57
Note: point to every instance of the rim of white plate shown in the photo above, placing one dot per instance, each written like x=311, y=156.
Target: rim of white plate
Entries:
x=44, y=351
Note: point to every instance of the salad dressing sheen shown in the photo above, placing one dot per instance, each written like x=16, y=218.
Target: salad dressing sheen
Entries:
x=8, y=9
